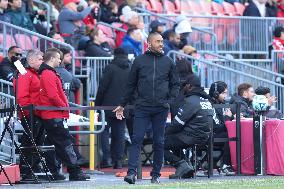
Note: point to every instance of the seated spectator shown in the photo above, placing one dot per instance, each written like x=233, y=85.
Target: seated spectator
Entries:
x=258, y=8
x=3, y=8
x=157, y=26
x=271, y=111
x=19, y=17
x=127, y=3
x=7, y=67
x=70, y=21
x=182, y=27
x=190, y=126
x=244, y=97
x=97, y=45
x=172, y=43
x=130, y=20
x=218, y=92
x=278, y=41
x=109, y=12
x=70, y=83
x=271, y=6
x=132, y=42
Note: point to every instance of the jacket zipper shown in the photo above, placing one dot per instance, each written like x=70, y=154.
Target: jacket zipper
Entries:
x=154, y=75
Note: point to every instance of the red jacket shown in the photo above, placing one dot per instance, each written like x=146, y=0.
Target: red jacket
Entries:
x=28, y=90
x=52, y=93
x=120, y=35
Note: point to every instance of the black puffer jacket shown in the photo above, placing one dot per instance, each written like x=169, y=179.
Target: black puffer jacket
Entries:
x=113, y=83
x=246, y=105
x=155, y=79
x=191, y=121
x=7, y=70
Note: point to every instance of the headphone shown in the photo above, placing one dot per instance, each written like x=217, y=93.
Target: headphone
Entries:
x=216, y=93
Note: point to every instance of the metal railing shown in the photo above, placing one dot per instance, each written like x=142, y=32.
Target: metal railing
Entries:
x=210, y=72
x=240, y=35
x=277, y=58
x=7, y=98
x=91, y=68
x=203, y=33
x=48, y=13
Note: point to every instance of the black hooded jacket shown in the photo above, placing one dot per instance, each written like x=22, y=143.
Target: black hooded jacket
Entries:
x=191, y=121
x=7, y=70
x=155, y=79
x=113, y=83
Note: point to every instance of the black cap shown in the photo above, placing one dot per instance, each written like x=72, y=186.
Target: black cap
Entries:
x=156, y=23
x=193, y=80
x=278, y=31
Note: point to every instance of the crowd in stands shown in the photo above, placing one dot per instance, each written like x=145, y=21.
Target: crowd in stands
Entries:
x=77, y=23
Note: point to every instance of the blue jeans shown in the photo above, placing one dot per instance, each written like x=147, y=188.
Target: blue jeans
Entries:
x=144, y=115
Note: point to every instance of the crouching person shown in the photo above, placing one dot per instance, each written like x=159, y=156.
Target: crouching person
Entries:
x=190, y=126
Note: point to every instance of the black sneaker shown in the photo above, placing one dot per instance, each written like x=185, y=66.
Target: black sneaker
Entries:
x=76, y=174
x=58, y=176
x=155, y=180
x=130, y=179
x=226, y=170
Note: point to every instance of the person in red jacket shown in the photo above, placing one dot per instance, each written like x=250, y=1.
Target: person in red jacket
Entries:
x=26, y=94
x=54, y=121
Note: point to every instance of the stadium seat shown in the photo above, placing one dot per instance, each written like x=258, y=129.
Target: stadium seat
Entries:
x=194, y=8
x=217, y=9
x=229, y=9
x=156, y=6
x=177, y=4
x=205, y=7
x=35, y=41
x=10, y=41
x=24, y=41
x=106, y=30
x=185, y=8
x=169, y=7
x=239, y=9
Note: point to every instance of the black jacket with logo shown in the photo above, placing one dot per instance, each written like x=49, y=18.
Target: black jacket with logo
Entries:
x=191, y=121
x=155, y=78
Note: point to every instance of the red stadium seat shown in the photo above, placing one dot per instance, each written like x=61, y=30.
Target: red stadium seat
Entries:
x=217, y=9
x=205, y=7
x=10, y=41
x=170, y=7
x=106, y=30
x=185, y=8
x=239, y=8
x=194, y=8
x=229, y=9
x=24, y=41
x=156, y=6
x=177, y=5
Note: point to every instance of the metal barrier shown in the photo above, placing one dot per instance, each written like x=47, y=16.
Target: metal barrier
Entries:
x=48, y=13
x=203, y=33
x=235, y=35
x=277, y=58
x=209, y=72
x=26, y=40
x=91, y=68
x=7, y=98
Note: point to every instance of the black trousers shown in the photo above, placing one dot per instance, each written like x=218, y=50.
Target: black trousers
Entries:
x=173, y=147
x=38, y=134
x=116, y=149
x=226, y=155
x=62, y=140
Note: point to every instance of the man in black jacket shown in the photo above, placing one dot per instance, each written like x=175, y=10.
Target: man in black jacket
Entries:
x=218, y=92
x=190, y=126
x=7, y=67
x=111, y=88
x=154, y=77
x=244, y=97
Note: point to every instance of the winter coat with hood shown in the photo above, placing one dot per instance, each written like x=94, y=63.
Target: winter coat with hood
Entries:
x=154, y=77
x=246, y=106
x=191, y=121
x=113, y=83
x=52, y=93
